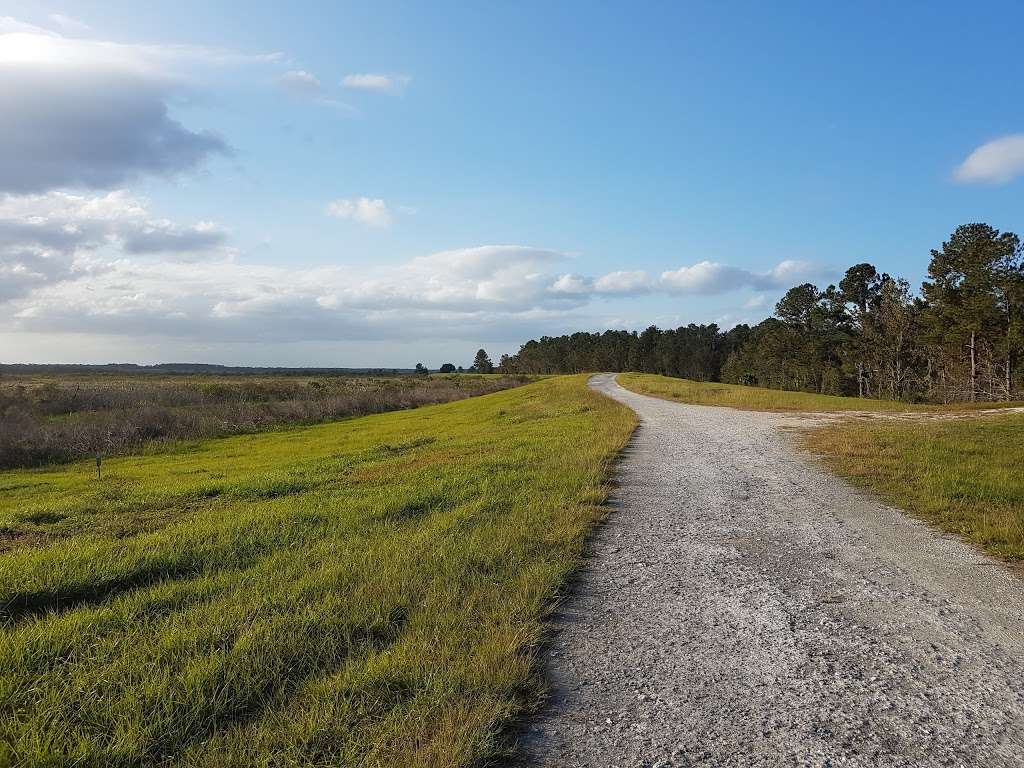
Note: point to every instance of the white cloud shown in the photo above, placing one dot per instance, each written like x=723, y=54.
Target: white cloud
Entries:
x=995, y=162
x=572, y=285
x=373, y=212
x=67, y=221
x=46, y=239
x=107, y=265
x=710, y=277
x=637, y=282
x=91, y=113
x=788, y=273
x=301, y=82
x=454, y=294
x=624, y=282
x=705, y=277
x=376, y=82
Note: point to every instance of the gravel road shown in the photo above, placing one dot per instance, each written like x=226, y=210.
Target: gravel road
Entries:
x=742, y=607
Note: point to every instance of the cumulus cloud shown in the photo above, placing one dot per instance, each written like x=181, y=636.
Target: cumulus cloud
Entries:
x=710, y=277
x=105, y=264
x=451, y=294
x=572, y=285
x=301, y=82
x=373, y=212
x=47, y=239
x=376, y=82
x=625, y=283
x=996, y=162
x=704, y=277
x=90, y=113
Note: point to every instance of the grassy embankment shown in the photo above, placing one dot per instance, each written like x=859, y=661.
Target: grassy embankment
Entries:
x=962, y=475
x=361, y=593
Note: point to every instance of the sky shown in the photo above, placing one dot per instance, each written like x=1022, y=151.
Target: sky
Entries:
x=380, y=184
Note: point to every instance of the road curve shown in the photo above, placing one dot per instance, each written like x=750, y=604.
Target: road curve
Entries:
x=742, y=607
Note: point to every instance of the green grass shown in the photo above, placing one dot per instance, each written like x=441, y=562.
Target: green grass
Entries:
x=750, y=398
x=369, y=592
x=761, y=399
x=963, y=475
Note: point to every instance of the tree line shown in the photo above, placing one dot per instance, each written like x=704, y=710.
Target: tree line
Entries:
x=481, y=364
x=960, y=338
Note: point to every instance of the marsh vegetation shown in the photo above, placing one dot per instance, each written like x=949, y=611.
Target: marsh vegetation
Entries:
x=58, y=418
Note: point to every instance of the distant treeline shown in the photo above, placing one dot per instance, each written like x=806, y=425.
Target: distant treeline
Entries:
x=961, y=338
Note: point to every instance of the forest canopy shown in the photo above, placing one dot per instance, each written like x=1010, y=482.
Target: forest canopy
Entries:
x=960, y=338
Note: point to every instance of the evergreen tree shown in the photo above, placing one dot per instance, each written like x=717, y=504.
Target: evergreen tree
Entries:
x=482, y=363
x=859, y=287
x=970, y=279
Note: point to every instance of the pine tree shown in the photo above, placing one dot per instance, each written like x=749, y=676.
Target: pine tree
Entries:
x=482, y=363
x=964, y=295
x=859, y=287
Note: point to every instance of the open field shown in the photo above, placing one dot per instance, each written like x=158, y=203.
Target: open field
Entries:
x=54, y=418
x=366, y=592
x=763, y=399
x=963, y=476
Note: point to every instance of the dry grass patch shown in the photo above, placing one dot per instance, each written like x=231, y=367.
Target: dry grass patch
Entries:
x=762, y=399
x=963, y=475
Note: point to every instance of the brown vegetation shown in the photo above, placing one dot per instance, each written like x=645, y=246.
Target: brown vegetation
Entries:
x=53, y=419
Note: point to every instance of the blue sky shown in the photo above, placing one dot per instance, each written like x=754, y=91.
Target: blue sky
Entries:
x=382, y=183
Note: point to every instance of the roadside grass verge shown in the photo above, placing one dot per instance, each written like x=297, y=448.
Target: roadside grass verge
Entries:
x=369, y=592
x=761, y=399
x=963, y=475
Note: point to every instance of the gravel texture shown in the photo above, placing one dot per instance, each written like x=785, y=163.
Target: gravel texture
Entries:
x=742, y=607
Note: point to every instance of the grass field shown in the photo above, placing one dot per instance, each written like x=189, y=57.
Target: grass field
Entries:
x=761, y=399
x=368, y=592
x=963, y=475
x=52, y=418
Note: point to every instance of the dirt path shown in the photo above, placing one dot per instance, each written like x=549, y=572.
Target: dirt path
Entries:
x=742, y=607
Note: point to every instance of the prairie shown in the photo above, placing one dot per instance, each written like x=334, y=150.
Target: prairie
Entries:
x=367, y=592
x=55, y=418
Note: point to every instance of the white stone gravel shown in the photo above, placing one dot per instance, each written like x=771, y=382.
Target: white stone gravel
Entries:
x=742, y=607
